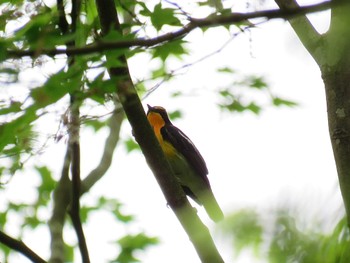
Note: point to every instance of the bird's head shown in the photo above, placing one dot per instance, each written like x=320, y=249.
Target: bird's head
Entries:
x=157, y=114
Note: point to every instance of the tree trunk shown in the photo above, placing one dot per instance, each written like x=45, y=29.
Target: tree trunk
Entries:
x=337, y=85
x=331, y=52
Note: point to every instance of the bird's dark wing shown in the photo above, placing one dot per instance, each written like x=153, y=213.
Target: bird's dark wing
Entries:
x=186, y=147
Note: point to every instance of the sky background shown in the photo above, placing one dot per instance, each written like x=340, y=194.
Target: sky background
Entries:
x=282, y=156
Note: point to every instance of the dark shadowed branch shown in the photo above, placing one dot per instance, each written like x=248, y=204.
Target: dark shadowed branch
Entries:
x=20, y=247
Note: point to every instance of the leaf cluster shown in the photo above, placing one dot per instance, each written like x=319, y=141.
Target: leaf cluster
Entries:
x=283, y=239
x=248, y=93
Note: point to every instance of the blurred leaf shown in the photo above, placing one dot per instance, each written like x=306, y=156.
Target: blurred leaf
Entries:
x=235, y=105
x=115, y=206
x=14, y=107
x=254, y=108
x=3, y=219
x=245, y=228
x=131, y=243
x=164, y=16
x=85, y=211
x=159, y=72
x=68, y=253
x=59, y=85
x=175, y=115
x=257, y=83
x=91, y=12
x=144, y=9
x=280, y=239
x=96, y=124
x=226, y=70
x=282, y=102
x=47, y=184
x=175, y=48
x=99, y=87
x=131, y=145
x=32, y=221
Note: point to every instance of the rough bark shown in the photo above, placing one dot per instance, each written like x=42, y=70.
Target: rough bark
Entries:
x=337, y=84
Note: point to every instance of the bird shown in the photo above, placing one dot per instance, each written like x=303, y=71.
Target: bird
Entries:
x=185, y=161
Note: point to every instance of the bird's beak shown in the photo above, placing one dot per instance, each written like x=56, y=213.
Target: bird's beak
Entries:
x=150, y=108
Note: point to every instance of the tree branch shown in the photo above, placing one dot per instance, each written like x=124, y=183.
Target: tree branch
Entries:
x=74, y=144
x=62, y=21
x=96, y=174
x=196, y=230
x=61, y=199
x=20, y=247
x=305, y=31
x=210, y=21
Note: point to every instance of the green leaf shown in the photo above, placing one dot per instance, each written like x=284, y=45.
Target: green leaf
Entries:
x=254, y=108
x=96, y=124
x=164, y=16
x=257, y=83
x=144, y=10
x=226, y=70
x=245, y=228
x=68, y=253
x=114, y=206
x=91, y=12
x=276, y=101
x=47, y=185
x=32, y=221
x=139, y=241
x=14, y=107
x=59, y=85
x=98, y=88
x=175, y=48
x=130, y=243
x=17, y=135
x=131, y=145
x=175, y=114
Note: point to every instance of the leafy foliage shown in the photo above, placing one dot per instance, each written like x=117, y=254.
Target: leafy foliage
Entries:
x=131, y=243
x=282, y=240
x=248, y=93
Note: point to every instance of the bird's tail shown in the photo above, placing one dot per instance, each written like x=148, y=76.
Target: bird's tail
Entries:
x=211, y=206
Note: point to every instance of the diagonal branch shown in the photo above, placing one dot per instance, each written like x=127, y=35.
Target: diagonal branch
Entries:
x=96, y=174
x=305, y=31
x=20, y=247
x=210, y=21
x=195, y=229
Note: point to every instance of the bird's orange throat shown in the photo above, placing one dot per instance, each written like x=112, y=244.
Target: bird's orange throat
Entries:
x=157, y=122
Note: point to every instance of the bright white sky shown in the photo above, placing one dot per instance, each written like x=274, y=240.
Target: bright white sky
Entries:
x=282, y=156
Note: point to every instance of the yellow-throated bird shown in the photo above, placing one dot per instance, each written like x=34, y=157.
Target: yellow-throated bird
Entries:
x=185, y=160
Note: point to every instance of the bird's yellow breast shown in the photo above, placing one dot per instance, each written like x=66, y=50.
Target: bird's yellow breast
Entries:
x=157, y=123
